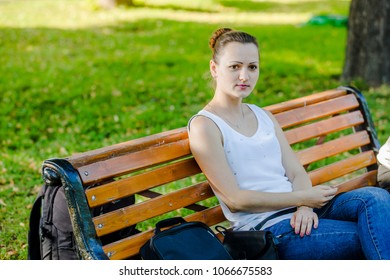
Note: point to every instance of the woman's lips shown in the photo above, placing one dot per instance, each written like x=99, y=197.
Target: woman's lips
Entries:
x=242, y=86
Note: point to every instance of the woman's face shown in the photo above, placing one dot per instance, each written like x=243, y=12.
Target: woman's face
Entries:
x=237, y=70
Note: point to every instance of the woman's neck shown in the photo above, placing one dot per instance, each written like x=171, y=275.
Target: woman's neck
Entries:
x=232, y=111
x=225, y=103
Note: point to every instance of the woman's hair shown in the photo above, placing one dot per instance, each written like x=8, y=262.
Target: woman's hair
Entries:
x=221, y=37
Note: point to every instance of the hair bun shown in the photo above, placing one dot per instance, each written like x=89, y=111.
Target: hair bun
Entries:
x=217, y=33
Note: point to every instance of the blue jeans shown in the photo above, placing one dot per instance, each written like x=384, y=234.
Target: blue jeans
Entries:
x=353, y=225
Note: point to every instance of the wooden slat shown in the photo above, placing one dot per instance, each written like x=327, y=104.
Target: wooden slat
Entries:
x=324, y=127
x=134, y=214
x=317, y=111
x=341, y=168
x=124, y=164
x=129, y=247
x=153, y=194
x=367, y=179
x=305, y=101
x=333, y=147
x=137, y=183
x=130, y=146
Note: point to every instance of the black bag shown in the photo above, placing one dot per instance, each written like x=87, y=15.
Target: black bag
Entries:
x=253, y=244
x=249, y=244
x=50, y=236
x=183, y=241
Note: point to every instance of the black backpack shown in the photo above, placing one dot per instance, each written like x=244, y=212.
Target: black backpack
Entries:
x=51, y=236
x=183, y=241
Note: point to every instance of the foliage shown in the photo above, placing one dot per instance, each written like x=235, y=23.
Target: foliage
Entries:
x=73, y=78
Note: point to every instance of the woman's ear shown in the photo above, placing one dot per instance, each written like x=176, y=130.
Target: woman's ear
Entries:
x=213, y=69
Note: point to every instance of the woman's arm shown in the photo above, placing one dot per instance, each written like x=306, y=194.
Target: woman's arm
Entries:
x=304, y=218
x=207, y=147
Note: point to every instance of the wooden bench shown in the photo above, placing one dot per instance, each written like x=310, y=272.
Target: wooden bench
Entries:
x=331, y=131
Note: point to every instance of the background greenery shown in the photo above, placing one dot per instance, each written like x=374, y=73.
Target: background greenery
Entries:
x=75, y=78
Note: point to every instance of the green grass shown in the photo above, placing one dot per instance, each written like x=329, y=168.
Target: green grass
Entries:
x=75, y=78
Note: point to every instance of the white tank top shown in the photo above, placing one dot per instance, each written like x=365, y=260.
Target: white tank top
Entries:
x=256, y=163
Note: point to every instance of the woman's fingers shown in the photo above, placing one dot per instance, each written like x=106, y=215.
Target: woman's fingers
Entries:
x=304, y=221
x=316, y=221
x=298, y=224
x=309, y=226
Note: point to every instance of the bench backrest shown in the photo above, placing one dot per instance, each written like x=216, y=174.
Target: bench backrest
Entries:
x=331, y=131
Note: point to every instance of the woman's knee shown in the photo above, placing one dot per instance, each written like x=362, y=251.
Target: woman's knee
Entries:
x=333, y=239
x=372, y=194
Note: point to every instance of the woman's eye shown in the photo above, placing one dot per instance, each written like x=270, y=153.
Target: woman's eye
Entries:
x=253, y=67
x=234, y=67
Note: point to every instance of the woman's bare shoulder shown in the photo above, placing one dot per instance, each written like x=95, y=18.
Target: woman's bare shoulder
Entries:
x=202, y=124
x=203, y=129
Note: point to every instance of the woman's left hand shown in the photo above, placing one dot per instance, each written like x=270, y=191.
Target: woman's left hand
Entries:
x=303, y=220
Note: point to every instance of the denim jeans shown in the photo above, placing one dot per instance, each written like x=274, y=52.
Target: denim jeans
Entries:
x=353, y=225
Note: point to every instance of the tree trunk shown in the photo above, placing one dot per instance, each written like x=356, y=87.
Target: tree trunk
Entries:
x=368, y=46
x=108, y=4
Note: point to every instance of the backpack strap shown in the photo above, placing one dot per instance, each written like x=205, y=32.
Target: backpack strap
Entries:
x=34, y=247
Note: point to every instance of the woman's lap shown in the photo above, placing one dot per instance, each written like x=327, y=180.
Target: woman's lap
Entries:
x=369, y=208
x=332, y=240
x=353, y=222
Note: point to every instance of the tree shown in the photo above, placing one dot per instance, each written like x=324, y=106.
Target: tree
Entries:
x=108, y=4
x=368, y=45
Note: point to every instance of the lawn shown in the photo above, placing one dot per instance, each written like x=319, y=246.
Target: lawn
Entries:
x=74, y=77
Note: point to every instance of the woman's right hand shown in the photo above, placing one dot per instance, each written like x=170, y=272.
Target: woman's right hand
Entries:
x=318, y=196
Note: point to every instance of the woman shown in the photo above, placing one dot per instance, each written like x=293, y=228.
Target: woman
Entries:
x=384, y=166
x=254, y=172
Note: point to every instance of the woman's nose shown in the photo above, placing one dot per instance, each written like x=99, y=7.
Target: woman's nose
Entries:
x=243, y=75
